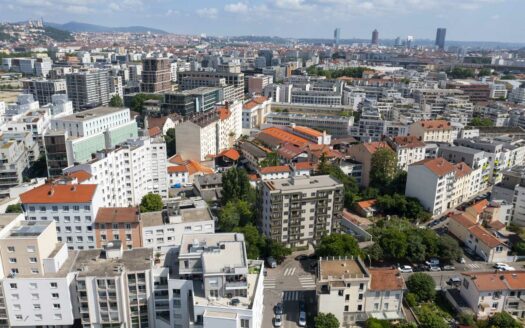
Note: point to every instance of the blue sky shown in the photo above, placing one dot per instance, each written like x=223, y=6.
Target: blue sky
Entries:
x=465, y=20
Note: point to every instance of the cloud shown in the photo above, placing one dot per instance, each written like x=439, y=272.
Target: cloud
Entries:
x=207, y=12
x=236, y=8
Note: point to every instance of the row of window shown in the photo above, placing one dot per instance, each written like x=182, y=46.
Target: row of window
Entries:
x=54, y=208
x=38, y=317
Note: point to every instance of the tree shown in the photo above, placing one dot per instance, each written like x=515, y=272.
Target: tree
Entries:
x=271, y=160
x=503, y=319
x=519, y=247
x=14, y=208
x=116, y=101
x=467, y=319
x=484, y=72
x=170, y=142
x=276, y=250
x=229, y=217
x=235, y=185
x=338, y=245
x=430, y=319
x=449, y=248
x=393, y=242
x=255, y=242
x=460, y=73
x=422, y=286
x=137, y=102
x=478, y=121
x=377, y=323
x=326, y=320
x=151, y=203
x=383, y=168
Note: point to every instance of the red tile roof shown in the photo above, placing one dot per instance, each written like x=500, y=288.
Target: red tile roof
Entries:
x=480, y=206
x=497, y=281
x=117, y=214
x=408, y=142
x=154, y=131
x=308, y=131
x=223, y=112
x=372, y=147
x=56, y=194
x=254, y=102
x=283, y=137
x=439, y=166
x=366, y=203
x=462, y=170
x=304, y=166
x=485, y=236
x=80, y=175
x=274, y=169
x=177, y=169
x=385, y=279
x=462, y=219
x=230, y=153
x=435, y=124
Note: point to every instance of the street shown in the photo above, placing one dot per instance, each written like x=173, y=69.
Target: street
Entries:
x=289, y=283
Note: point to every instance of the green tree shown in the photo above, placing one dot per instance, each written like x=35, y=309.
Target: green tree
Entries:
x=170, y=142
x=460, y=73
x=484, y=72
x=255, y=242
x=478, y=121
x=394, y=244
x=276, y=250
x=271, y=160
x=116, y=101
x=137, y=102
x=338, y=245
x=376, y=323
x=151, y=203
x=519, y=247
x=235, y=185
x=326, y=320
x=422, y=286
x=14, y=208
x=449, y=248
x=229, y=217
x=503, y=320
x=383, y=168
x=351, y=189
x=467, y=319
x=430, y=319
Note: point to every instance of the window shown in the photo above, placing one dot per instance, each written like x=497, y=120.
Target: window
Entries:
x=88, y=218
x=128, y=226
x=13, y=286
x=385, y=306
x=34, y=270
x=86, y=208
x=376, y=306
x=57, y=316
x=360, y=296
x=14, y=271
x=35, y=296
x=78, y=229
x=54, y=208
x=68, y=229
x=116, y=236
x=56, y=306
x=77, y=219
x=38, y=317
x=65, y=208
x=67, y=219
x=55, y=296
x=245, y=323
x=15, y=297
x=53, y=285
x=359, y=308
x=361, y=286
x=36, y=306
x=76, y=208
x=17, y=307
x=347, y=297
x=33, y=285
x=115, y=225
x=346, y=308
x=12, y=260
x=10, y=249
x=18, y=317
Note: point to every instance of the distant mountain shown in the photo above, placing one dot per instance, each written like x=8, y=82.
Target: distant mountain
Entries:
x=84, y=27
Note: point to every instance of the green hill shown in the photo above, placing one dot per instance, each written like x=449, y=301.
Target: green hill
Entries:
x=58, y=35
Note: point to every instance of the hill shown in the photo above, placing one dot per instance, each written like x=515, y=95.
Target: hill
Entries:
x=85, y=27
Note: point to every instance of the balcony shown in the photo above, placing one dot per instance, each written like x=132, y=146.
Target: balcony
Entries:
x=236, y=285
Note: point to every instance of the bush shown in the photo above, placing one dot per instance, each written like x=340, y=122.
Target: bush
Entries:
x=14, y=208
x=422, y=286
x=151, y=203
x=411, y=299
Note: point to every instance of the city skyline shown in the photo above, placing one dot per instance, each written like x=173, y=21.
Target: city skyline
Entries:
x=472, y=20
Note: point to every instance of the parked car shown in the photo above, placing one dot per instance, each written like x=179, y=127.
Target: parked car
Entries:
x=277, y=321
x=271, y=262
x=302, y=319
x=449, y=268
x=235, y=301
x=434, y=268
x=504, y=267
x=462, y=260
x=432, y=262
x=278, y=309
x=405, y=269
x=454, y=281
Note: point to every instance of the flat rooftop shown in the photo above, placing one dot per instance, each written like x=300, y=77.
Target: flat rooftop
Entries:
x=94, y=263
x=196, y=215
x=303, y=182
x=195, y=243
x=230, y=254
x=151, y=219
x=91, y=114
x=29, y=229
x=7, y=218
x=338, y=269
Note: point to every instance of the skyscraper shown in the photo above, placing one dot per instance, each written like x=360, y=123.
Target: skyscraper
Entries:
x=375, y=38
x=440, y=38
x=88, y=89
x=156, y=75
x=337, y=36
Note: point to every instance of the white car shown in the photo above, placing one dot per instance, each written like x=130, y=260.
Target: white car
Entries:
x=277, y=321
x=405, y=269
x=302, y=319
x=434, y=268
x=503, y=267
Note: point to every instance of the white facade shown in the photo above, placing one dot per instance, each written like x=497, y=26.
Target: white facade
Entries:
x=91, y=122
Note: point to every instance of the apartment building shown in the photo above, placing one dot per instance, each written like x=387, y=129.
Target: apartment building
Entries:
x=43, y=90
x=300, y=209
x=227, y=287
x=353, y=293
x=114, y=287
x=88, y=89
x=126, y=173
x=511, y=189
x=193, y=79
x=163, y=230
x=73, y=139
x=487, y=293
x=156, y=75
x=73, y=207
x=14, y=162
x=438, y=184
x=363, y=153
x=476, y=159
x=432, y=131
x=118, y=224
x=409, y=150
x=255, y=111
x=191, y=102
x=38, y=284
x=337, y=126
x=256, y=83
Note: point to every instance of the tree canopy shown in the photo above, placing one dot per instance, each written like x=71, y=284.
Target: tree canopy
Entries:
x=14, y=208
x=402, y=206
x=333, y=74
x=338, y=245
x=169, y=138
x=422, y=286
x=116, y=101
x=326, y=320
x=383, y=168
x=151, y=203
x=137, y=102
x=235, y=185
x=460, y=73
x=351, y=188
x=255, y=242
x=478, y=121
x=503, y=319
x=430, y=319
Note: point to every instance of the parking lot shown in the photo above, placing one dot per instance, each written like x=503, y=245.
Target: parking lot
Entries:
x=289, y=283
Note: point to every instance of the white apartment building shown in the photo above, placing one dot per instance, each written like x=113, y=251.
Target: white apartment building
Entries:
x=353, y=293
x=409, y=150
x=254, y=112
x=432, y=131
x=37, y=286
x=178, y=175
x=512, y=190
x=73, y=207
x=518, y=95
x=128, y=172
x=438, y=184
x=300, y=209
x=487, y=293
x=163, y=231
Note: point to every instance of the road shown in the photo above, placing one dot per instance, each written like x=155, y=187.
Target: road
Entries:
x=289, y=283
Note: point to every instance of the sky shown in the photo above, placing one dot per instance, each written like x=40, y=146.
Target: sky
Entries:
x=465, y=20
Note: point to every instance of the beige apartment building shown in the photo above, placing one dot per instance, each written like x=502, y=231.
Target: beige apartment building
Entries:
x=301, y=209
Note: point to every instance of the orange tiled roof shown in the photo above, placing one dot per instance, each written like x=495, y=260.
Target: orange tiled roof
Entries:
x=480, y=206
x=154, y=131
x=195, y=167
x=439, y=166
x=372, y=147
x=462, y=219
x=117, y=214
x=462, y=170
x=435, y=124
x=223, y=112
x=408, y=141
x=304, y=166
x=80, y=175
x=386, y=279
x=497, y=281
x=366, y=203
x=177, y=169
x=284, y=136
x=254, y=102
x=53, y=194
x=308, y=131
x=485, y=236
x=274, y=169
x=230, y=153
